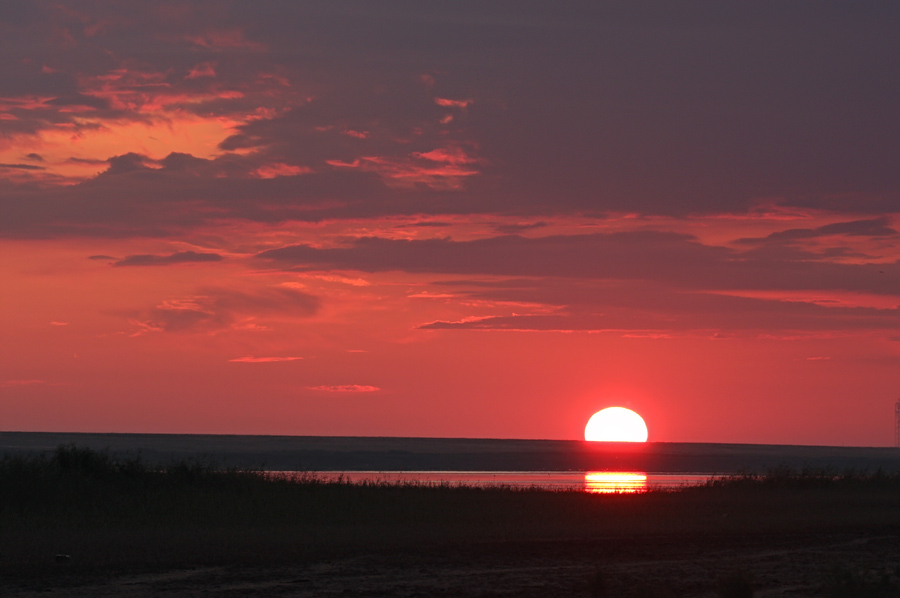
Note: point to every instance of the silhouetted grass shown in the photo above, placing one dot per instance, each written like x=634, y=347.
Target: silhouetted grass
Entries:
x=784, y=478
x=108, y=512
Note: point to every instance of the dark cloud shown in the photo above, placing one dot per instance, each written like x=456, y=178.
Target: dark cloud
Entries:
x=86, y=161
x=79, y=99
x=511, y=229
x=521, y=109
x=670, y=258
x=102, y=257
x=180, y=257
x=127, y=163
x=425, y=224
x=622, y=306
x=22, y=166
x=874, y=227
x=808, y=319
x=511, y=255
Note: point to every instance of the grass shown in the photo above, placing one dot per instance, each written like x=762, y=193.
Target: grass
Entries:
x=109, y=513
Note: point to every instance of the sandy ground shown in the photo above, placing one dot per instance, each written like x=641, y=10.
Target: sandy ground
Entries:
x=665, y=566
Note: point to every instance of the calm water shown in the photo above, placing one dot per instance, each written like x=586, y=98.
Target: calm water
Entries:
x=589, y=481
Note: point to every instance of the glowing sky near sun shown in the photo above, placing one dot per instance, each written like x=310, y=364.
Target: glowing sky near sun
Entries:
x=465, y=220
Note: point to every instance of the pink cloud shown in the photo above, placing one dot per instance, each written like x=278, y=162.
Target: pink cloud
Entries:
x=343, y=164
x=279, y=169
x=405, y=172
x=205, y=69
x=252, y=359
x=428, y=295
x=447, y=103
x=345, y=388
x=449, y=155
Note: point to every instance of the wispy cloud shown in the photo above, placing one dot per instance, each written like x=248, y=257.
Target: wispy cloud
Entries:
x=216, y=308
x=345, y=388
x=448, y=103
x=180, y=257
x=874, y=227
x=12, y=383
x=670, y=258
x=252, y=359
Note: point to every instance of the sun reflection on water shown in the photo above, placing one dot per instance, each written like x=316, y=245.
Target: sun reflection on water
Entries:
x=608, y=482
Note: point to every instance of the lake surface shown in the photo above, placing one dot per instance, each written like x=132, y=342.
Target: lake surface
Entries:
x=589, y=481
x=423, y=455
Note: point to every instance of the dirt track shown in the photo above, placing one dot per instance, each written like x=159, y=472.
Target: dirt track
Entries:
x=778, y=566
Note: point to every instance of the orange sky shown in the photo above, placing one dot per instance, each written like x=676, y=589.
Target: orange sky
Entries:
x=413, y=221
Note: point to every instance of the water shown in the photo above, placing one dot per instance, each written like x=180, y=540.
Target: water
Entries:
x=589, y=481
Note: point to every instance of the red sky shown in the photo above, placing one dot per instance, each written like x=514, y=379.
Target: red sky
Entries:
x=465, y=219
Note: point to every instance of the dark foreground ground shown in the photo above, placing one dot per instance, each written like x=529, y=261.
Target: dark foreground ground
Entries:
x=827, y=564
x=80, y=523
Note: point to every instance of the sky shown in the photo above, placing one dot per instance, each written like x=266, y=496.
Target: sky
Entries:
x=451, y=219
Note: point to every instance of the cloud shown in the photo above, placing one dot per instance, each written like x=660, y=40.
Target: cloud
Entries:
x=16, y=383
x=291, y=83
x=205, y=69
x=874, y=227
x=79, y=99
x=664, y=257
x=345, y=388
x=758, y=319
x=645, y=280
x=425, y=224
x=512, y=229
x=22, y=166
x=439, y=169
x=621, y=254
x=225, y=39
x=252, y=359
x=212, y=309
x=180, y=257
x=448, y=103
x=278, y=169
x=624, y=306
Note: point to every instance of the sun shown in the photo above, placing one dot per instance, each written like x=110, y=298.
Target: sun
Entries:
x=616, y=424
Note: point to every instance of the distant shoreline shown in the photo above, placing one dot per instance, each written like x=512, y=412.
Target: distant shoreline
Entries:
x=333, y=453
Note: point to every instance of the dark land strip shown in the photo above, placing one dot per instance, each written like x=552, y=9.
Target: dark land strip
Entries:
x=320, y=453
x=686, y=565
x=79, y=522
